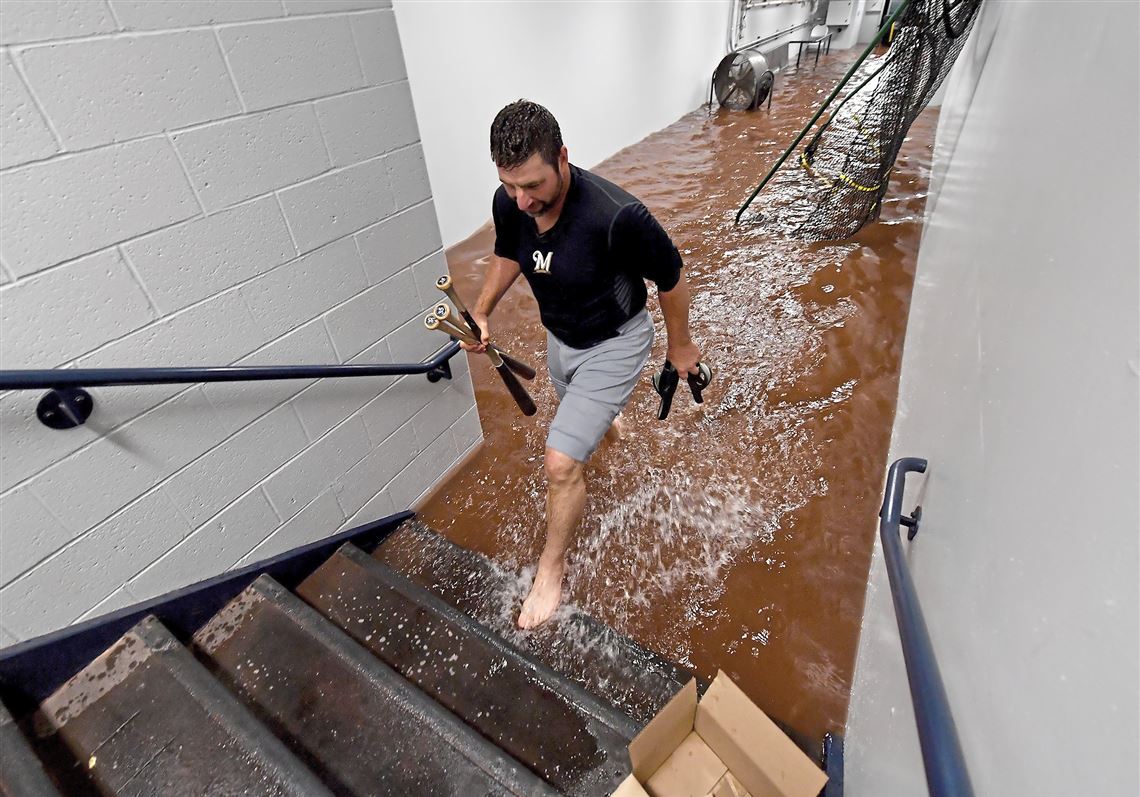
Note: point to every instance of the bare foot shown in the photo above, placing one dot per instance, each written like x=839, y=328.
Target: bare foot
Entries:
x=614, y=433
x=545, y=595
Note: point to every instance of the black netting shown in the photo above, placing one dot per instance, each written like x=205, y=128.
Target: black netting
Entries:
x=835, y=182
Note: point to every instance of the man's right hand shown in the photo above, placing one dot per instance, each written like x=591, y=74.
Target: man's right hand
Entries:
x=481, y=320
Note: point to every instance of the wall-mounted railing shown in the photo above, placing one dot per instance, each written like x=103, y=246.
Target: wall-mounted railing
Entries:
x=946, y=774
x=68, y=404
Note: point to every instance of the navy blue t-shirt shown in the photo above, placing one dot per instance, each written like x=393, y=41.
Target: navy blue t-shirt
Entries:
x=588, y=271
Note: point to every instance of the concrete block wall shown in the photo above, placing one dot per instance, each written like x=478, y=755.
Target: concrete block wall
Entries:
x=1020, y=383
x=209, y=183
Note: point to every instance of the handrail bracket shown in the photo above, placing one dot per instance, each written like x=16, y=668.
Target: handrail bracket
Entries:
x=65, y=407
x=441, y=371
x=911, y=522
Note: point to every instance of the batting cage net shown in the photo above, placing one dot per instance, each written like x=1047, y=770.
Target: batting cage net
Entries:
x=834, y=184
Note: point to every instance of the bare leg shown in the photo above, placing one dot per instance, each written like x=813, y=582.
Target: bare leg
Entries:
x=565, y=501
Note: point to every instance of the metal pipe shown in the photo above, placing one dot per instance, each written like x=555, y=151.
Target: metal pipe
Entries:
x=773, y=36
x=730, y=41
x=750, y=4
x=942, y=758
x=103, y=377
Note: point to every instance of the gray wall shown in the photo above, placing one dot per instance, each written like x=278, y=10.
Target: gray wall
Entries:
x=206, y=183
x=1019, y=384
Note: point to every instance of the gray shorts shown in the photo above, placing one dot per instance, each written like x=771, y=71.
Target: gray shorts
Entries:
x=594, y=384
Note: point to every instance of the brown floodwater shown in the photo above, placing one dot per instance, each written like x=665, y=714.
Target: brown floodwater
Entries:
x=736, y=535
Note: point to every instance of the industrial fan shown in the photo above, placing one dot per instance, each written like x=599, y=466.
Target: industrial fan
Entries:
x=742, y=80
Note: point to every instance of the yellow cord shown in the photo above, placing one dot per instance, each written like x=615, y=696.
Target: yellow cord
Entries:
x=841, y=178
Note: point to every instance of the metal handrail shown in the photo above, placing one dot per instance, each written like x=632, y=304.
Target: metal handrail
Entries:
x=67, y=404
x=946, y=774
x=105, y=377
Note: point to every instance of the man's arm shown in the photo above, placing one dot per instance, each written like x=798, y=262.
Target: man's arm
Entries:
x=680, y=349
x=637, y=237
x=500, y=276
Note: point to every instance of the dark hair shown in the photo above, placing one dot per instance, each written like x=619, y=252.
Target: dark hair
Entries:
x=522, y=129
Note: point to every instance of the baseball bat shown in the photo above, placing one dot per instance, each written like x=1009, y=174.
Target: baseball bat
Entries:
x=433, y=321
x=445, y=284
x=463, y=334
x=514, y=386
x=443, y=313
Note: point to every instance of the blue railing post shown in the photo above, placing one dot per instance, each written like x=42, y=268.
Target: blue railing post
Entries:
x=946, y=774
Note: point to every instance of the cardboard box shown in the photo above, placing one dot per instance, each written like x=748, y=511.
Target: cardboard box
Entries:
x=722, y=747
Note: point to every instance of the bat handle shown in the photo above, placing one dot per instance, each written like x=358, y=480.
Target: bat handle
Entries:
x=478, y=330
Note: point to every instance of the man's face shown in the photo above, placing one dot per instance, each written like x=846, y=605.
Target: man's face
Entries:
x=534, y=185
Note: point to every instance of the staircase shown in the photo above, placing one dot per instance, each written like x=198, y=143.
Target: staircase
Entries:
x=378, y=674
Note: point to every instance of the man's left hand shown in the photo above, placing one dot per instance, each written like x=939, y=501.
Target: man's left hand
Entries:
x=684, y=357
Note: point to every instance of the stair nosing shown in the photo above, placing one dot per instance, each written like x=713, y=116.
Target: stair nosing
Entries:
x=601, y=711
x=505, y=770
x=655, y=662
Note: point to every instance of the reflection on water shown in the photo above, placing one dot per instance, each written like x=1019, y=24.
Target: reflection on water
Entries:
x=737, y=534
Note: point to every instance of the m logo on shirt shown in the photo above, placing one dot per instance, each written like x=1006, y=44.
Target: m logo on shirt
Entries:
x=541, y=264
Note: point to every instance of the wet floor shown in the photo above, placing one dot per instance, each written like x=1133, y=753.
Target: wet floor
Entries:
x=736, y=535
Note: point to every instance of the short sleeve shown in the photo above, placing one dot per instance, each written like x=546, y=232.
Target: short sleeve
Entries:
x=636, y=238
x=506, y=226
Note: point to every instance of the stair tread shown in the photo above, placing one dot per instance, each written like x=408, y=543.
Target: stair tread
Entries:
x=604, y=662
x=563, y=734
x=146, y=718
x=353, y=720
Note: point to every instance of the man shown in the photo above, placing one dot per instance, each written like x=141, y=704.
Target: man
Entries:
x=586, y=247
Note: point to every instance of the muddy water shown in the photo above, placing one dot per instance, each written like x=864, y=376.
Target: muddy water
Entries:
x=737, y=534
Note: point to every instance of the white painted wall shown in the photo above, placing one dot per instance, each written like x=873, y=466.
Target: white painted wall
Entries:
x=611, y=72
x=847, y=35
x=206, y=183
x=1020, y=385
